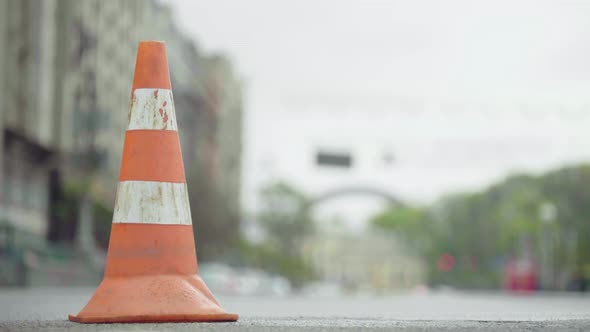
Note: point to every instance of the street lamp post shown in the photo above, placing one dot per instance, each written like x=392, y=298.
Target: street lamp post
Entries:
x=547, y=214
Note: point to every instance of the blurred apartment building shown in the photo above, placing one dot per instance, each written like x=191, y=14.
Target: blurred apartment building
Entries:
x=66, y=68
x=369, y=261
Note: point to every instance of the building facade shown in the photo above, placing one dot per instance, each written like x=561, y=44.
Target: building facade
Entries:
x=66, y=70
x=28, y=144
x=216, y=172
x=369, y=261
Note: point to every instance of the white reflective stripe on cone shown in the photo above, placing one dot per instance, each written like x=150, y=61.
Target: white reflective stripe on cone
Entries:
x=152, y=109
x=147, y=202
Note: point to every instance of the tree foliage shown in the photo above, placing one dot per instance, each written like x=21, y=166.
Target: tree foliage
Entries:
x=482, y=230
x=286, y=219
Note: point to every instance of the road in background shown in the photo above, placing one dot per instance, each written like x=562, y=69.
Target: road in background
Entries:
x=48, y=308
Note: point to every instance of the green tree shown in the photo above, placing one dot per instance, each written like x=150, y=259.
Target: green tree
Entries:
x=285, y=217
x=287, y=221
x=410, y=223
x=483, y=229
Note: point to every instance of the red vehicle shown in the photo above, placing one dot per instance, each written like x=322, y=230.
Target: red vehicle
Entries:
x=520, y=275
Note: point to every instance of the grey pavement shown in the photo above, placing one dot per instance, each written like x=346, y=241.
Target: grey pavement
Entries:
x=47, y=309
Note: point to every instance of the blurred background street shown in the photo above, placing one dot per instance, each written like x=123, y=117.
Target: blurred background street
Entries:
x=424, y=157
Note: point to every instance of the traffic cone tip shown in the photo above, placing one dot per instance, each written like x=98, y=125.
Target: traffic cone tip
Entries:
x=151, y=66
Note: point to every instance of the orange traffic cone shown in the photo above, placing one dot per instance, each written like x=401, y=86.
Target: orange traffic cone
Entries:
x=151, y=272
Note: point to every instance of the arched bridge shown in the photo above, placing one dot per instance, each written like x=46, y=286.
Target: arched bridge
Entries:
x=354, y=190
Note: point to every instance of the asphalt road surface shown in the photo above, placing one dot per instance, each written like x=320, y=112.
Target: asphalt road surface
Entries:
x=47, y=309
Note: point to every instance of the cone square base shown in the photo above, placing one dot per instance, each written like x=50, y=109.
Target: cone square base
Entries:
x=158, y=298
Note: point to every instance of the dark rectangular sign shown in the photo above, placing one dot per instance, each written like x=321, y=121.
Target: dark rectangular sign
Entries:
x=331, y=159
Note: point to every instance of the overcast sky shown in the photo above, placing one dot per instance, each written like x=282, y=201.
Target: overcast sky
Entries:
x=428, y=47
x=306, y=63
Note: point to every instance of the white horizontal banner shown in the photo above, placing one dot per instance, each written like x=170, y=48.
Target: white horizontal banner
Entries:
x=152, y=109
x=147, y=202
